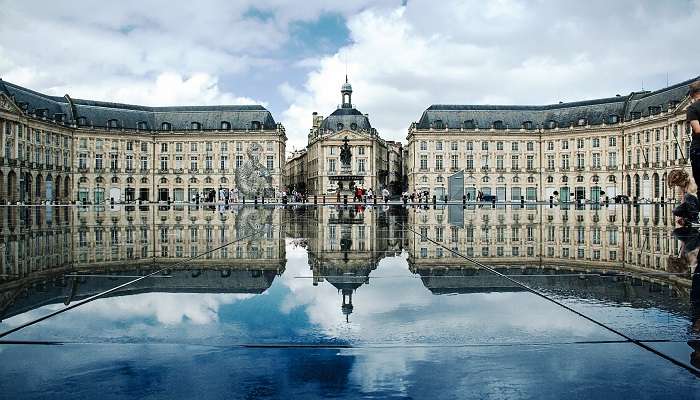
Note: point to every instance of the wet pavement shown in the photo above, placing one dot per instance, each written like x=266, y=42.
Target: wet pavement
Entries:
x=347, y=301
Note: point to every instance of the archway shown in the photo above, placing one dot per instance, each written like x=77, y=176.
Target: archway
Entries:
x=38, y=190
x=637, y=186
x=57, y=189
x=629, y=185
x=657, y=185
x=12, y=195
x=67, y=189
x=2, y=188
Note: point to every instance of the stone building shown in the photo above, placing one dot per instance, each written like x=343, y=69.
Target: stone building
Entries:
x=295, y=172
x=97, y=151
x=367, y=162
x=581, y=150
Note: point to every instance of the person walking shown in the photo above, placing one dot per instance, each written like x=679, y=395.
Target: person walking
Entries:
x=693, y=118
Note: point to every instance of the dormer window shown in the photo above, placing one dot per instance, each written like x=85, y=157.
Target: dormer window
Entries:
x=112, y=124
x=340, y=126
x=143, y=126
x=613, y=119
x=59, y=117
x=498, y=125
x=225, y=126
x=636, y=115
x=195, y=126
x=353, y=126
x=653, y=110
x=551, y=124
x=528, y=125
x=255, y=125
x=438, y=124
x=165, y=126
x=82, y=121
x=41, y=112
x=581, y=122
x=469, y=124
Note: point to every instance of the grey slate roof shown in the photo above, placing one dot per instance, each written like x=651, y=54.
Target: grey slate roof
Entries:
x=98, y=113
x=595, y=112
x=347, y=117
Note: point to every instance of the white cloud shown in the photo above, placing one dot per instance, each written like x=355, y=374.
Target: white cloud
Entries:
x=403, y=60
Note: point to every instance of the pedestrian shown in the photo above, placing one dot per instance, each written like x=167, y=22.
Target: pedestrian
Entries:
x=385, y=193
x=693, y=118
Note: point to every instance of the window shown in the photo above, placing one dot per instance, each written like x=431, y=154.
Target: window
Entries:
x=453, y=146
x=579, y=143
x=224, y=147
x=144, y=146
x=530, y=146
x=530, y=162
x=270, y=164
x=144, y=163
x=424, y=146
x=113, y=161
x=361, y=150
x=550, y=161
x=565, y=161
x=514, y=164
x=565, y=144
x=225, y=126
x=498, y=125
x=163, y=163
x=163, y=147
x=98, y=161
x=499, y=161
x=596, y=142
x=331, y=165
x=469, y=124
x=527, y=125
x=239, y=147
x=485, y=145
x=550, y=145
x=580, y=160
x=514, y=146
x=223, y=162
x=361, y=165
x=454, y=161
x=423, y=162
x=470, y=145
x=438, y=162
x=208, y=163
x=193, y=146
x=165, y=126
x=239, y=161
x=82, y=160
x=612, y=141
x=438, y=145
x=596, y=160
x=193, y=163
x=499, y=146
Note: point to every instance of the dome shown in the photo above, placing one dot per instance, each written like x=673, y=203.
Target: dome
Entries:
x=346, y=118
x=346, y=87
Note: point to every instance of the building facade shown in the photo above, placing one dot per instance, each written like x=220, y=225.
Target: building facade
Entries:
x=582, y=150
x=58, y=148
x=344, y=151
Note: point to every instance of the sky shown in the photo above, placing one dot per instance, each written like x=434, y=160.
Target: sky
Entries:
x=401, y=56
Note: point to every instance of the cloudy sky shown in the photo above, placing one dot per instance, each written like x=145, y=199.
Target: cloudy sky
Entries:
x=401, y=56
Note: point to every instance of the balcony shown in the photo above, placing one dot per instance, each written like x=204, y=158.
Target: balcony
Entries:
x=163, y=171
x=485, y=169
x=596, y=168
x=115, y=170
x=515, y=170
x=500, y=169
x=179, y=170
x=549, y=169
x=564, y=169
x=82, y=170
x=580, y=168
x=130, y=170
x=193, y=170
x=144, y=170
x=612, y=168
x=12, y=162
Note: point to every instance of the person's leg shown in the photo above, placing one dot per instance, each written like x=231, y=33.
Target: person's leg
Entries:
x=695, y=165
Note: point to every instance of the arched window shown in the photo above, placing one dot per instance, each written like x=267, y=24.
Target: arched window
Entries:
x=82, y=121
x=498, y=125
x=550, y=179
x=611, y=179
x=530, y=179
x=99, y=180
x=195, y=126
x=582, y=121
x=165, y=126
x=115, y=179
x=469, y=124
x=551, y=124
x=501, y=179
x=255, y=125
x=565, y=179
x=225, y=125
x=163, y=180
x=178, y=180
x=613, y=119
x=223, y=180
x=339, y=126
x=207, y=180
x=193, y=180
x=112, y=124
x=142, y=126
x=130, y=180
x=437, y=124
x=516, y=179
x=440, y=179
x=353, y=126
x=595, y=179
x=424, y=179
x=144, y=180
x=485, y=179
x=528, y=125
x=83, y=179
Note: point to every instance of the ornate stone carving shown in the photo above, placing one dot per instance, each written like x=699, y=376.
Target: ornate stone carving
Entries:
x=253, y=178
x=6, y=104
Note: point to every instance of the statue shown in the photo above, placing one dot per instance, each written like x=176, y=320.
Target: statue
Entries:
x=345, y=155
x=253, y=178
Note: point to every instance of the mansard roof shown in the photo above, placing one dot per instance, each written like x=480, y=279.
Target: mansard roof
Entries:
x=128, y=116
x=590, y=112
x=347, y=117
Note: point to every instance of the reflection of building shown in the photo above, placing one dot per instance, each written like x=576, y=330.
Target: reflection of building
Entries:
x=69, y=149
x=38, y=248
x=615, y=145
x=324, y=167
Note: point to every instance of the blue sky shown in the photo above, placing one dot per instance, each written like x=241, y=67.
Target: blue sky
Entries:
x=401, y=56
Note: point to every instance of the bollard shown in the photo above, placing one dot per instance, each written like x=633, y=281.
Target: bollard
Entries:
x=493, y=202
x=324, y=199
x=445, y=199
x=464, y=200
x=374, y=200
x=339, y=197
x=434, y=199
x=256, y=200
x=551, y=201
x=243, y=200
x=634, y=200
x=315, y=199
x=262, y=199
x=345, y=199
x=662, y=200
x=522, y=201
